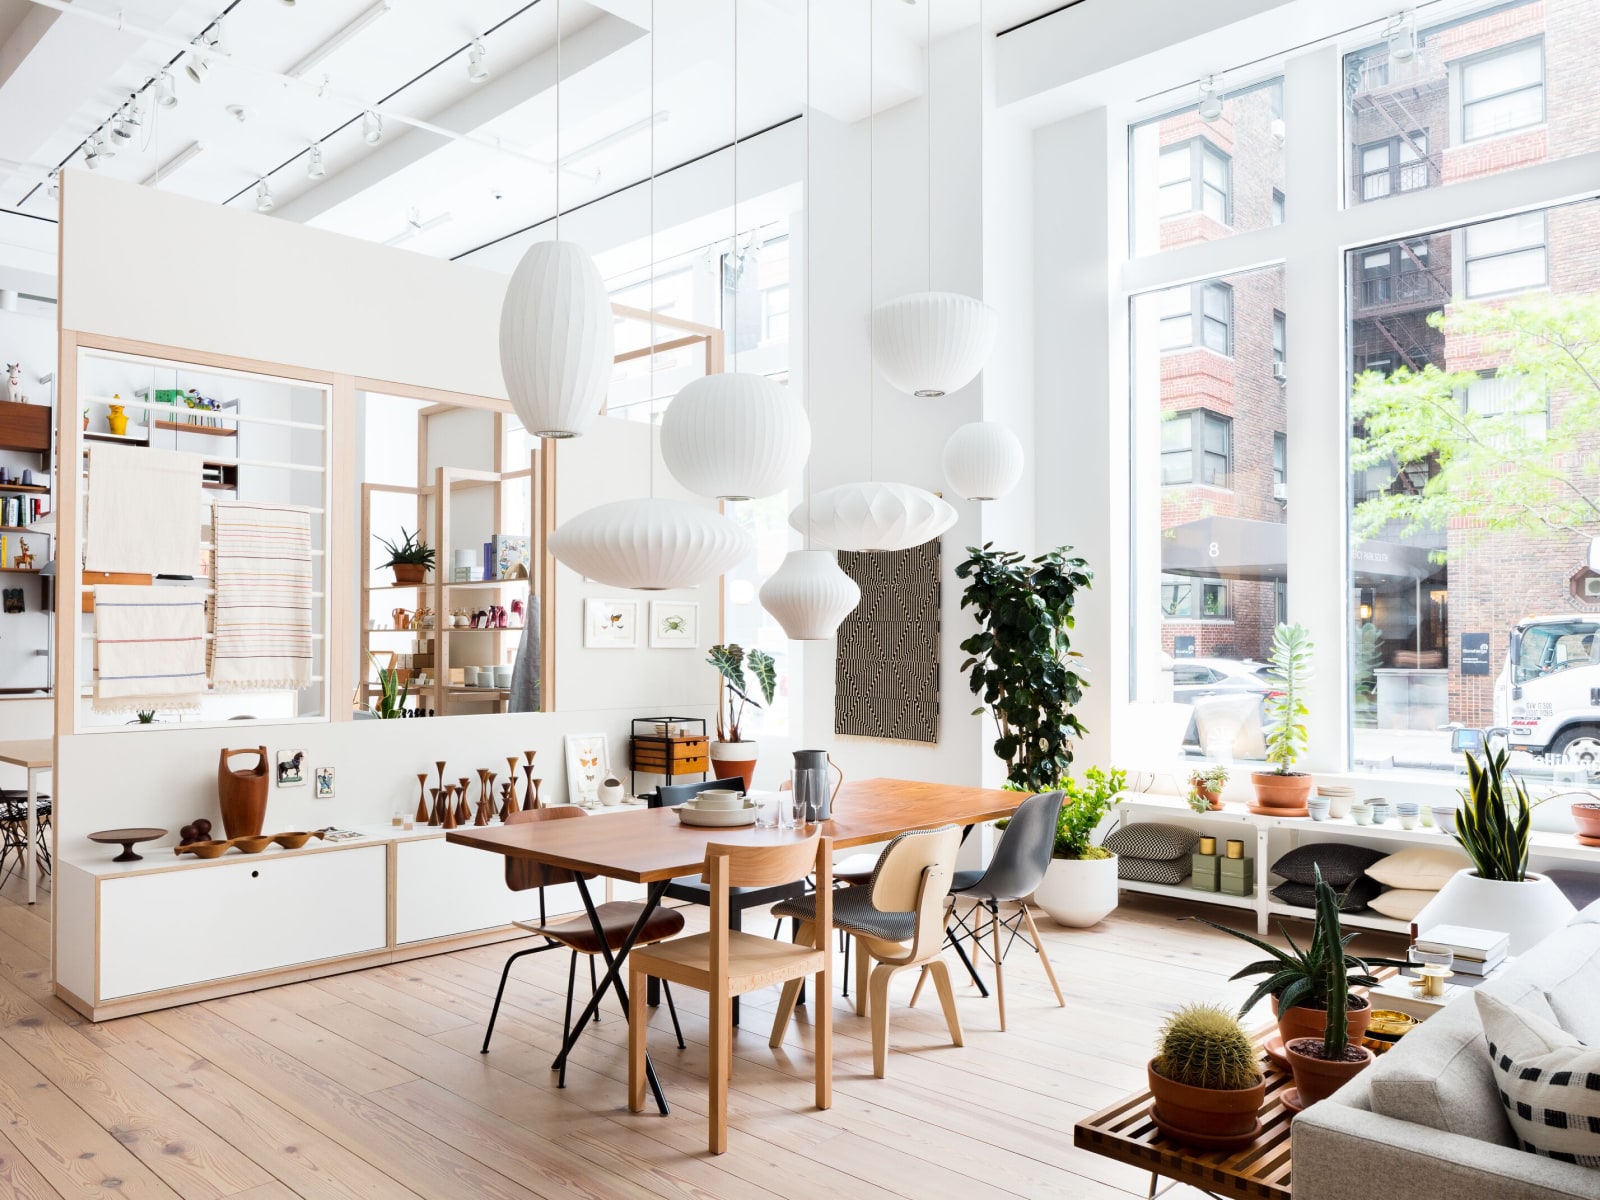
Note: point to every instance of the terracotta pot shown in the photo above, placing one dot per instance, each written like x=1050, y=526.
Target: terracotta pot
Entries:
x=735, y=758
x=1317, y=1078
x=1212, y=1118
x=408, y=572
x=1303, y=1022
x=243, y=794
x=1587, y=815
x=1286, y=792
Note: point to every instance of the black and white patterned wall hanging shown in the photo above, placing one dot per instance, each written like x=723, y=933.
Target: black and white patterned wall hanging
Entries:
x=886, y=669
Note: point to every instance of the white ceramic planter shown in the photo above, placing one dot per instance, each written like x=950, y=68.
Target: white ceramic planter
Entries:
x=1528, y=911
x=735, y=758
x=1078, y=892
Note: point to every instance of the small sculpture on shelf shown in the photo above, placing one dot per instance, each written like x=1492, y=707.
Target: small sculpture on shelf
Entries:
x=450, y=821
x=510, y=804
x=24, y=561
x=516, y=612
x=14, y=383
x=463, y=809
x=436, y=813
x=422, y=798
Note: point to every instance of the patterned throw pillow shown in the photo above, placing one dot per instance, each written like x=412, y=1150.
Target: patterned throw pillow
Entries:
x=1148, y=870
x=1342, y=863
x=1152, y=840
x=1304, y=895
x=1549, y=1082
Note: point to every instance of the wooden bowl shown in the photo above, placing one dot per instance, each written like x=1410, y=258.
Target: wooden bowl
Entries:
x=211, y=849
x=296, y=839
x=252, y=845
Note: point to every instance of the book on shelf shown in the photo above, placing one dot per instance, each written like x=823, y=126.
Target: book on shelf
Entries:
x=1466, y=943
x=1473, y=966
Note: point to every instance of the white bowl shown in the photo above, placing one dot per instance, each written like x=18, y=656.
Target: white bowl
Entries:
x=713, y=818
x=718, y=799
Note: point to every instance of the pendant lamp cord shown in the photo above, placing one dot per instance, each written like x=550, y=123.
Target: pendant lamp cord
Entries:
x=872, y=241
x=806, y=395
x=558, y=120
x=738, y=262
x=650, y=429
x=927, y=100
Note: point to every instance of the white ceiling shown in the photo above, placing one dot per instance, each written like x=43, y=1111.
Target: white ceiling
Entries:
x=483, y=167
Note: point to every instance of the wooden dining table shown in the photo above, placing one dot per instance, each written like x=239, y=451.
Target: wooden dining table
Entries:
x=650, y=846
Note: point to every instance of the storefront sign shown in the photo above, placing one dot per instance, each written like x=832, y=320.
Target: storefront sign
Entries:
x=1475, y=654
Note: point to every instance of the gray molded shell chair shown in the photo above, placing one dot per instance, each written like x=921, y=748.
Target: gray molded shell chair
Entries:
x=1015, y=871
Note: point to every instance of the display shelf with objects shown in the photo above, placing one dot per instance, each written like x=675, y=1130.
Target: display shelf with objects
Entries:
x=27, y=635
x=669, y=747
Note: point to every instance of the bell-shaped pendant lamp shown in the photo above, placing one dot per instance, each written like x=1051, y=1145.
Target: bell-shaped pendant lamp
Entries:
x=983, y=460
x=809, y=595
x=736, y=436
x=931, y=343
x=556, y=340
x=650, y=544
x=873, y=516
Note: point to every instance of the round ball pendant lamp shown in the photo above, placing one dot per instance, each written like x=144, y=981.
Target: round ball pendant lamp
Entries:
x=556, y=340
x=650, y=544
x=932, y=343
x=736, y=436
x=873, y=516
x=809, y=595
x=983, y=460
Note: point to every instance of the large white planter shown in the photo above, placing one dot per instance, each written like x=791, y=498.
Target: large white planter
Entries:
x=1078, y=892
x=1528, y=911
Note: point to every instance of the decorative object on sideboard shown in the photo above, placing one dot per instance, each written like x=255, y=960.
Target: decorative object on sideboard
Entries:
x=243, y=794
x=1205, y=788
x=127, y=839
x=1283, y=792
x=436, y=811
x=251, y=845
x=811, y=783
x=508, y=795
x=198, y=830
x=588, y=762
x=411, y=558
x=209, y=849
x=448, y=805
x=296, y=838
x=732, y=754
x=533, y=786
x=291, y=768
x=422, y=798
x=611, y=791
x=1080, y=885
x=463, y=809
x=1206, y=1080
x=530, y=798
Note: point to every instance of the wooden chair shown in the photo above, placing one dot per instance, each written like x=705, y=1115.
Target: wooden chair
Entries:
x=898, y=920
x=726, y=962
x=576, y=934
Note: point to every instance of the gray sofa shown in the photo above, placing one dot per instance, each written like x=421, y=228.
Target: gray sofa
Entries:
x=1426, y=1118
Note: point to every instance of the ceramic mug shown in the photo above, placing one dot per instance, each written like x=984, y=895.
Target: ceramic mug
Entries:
x=469, y=676
x=502, y=677
x=1408, y=820
x=1361, y=813
x=1318, y=806
x=1380, y=811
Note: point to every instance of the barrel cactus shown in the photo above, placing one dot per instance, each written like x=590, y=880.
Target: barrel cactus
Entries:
x=1203, y=1046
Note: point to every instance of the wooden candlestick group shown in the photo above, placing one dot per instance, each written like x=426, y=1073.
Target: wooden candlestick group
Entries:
x=450, y=808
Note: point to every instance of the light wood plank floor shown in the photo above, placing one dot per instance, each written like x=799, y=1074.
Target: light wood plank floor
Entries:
x=371, y=1085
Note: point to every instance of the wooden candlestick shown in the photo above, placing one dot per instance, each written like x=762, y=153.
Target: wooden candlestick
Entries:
x=436, y=813
x=450, y=821
x=422, y=798
x=485, y=811
x=440, y=765
x=510, y=802
x=463, y=809
x=484, y=776
x=534, y=784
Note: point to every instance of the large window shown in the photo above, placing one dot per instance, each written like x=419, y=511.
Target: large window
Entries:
x=1199, y=314
x=1197, y=447
x=1503, y=256
x=1502, y=90
x=1395, y=164
x=1193, y=175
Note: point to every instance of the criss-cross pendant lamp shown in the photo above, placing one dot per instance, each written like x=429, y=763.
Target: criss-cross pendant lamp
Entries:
x=871, y=515
x=648, y=543
x=809, y=595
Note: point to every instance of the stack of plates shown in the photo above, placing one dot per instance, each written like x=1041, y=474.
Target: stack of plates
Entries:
x=717, y=810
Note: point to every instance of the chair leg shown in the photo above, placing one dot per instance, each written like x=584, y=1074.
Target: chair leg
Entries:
x=947, y=998
x=824, y=1044
x=501, y=991
x=879, y=1007
x=791, y=992
x=863, y=969
x=672, y=1010
x=721, y=1055
x=1038, y=944
x=846, y=939
x=999, y=966
x=638, y=1024
x=572, y=983
x=594, y=986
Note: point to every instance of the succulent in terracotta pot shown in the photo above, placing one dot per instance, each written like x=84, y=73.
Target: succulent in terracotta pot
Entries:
x=1323, y=1065
x=1206, y=1080
x=1205, y=788
x=1284, y=790
x=1586, y=814
x=411, y=557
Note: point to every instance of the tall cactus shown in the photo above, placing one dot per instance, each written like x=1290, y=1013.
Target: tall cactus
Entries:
x=1336, y=981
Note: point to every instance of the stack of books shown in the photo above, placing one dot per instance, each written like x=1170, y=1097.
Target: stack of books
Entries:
x=1476, y=951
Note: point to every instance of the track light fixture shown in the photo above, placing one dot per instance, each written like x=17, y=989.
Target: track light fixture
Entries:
x=314, y=167
x=1401, y=34
x=166, y=93
x=121, y=126
x=371, y=127
x=105, y=147
x=477, y=68
x=91, y=154
x=52, y=185
x=195, y=65
x=1210, y=106
x=263, y=197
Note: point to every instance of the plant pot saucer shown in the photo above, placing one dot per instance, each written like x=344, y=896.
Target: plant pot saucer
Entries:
x=1205, y=1141
x=1585, y=840
x=1263, y=811
x=1292, y=1100
x=1274, y=1048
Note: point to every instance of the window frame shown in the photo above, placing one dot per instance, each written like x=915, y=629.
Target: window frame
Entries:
x=1461, y=254
x=1199, y=418
x=1394, y=171
x=1197, y=318
x=1459, y=104
x=1198, y=147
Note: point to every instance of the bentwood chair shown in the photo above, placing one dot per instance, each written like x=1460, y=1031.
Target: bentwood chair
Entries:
x=1015, y=871
x=14, y=830
x=576, y=934
x=897, y=920
x=725, y=963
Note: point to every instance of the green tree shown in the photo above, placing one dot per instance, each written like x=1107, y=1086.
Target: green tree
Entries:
x=1505, y=470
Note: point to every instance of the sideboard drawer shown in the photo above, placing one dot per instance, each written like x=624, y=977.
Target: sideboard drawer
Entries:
x=174, y=928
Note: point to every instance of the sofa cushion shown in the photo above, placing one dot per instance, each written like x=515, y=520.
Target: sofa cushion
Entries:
x=1355, y=898
x=1423, y=868
x=1149, y=870
x=1548, y=1081
x=1342, y=863
x=1400, y=904
x=1439, y=1076
x=1152, y=840
x=1576, y=1001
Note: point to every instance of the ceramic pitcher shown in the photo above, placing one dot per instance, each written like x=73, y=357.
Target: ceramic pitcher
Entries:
x=811, y=781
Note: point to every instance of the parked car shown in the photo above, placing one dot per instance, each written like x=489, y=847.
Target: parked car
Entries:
x=1196, y=678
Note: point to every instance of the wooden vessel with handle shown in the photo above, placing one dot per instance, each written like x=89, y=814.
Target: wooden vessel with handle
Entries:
x=243, y=794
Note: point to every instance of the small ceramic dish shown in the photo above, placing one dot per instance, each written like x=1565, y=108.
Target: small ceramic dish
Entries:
x=212, y=849
x=296, y=839
x=252, y=845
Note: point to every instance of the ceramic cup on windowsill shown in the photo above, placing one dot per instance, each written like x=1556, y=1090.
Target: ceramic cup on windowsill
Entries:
x=1361, y=814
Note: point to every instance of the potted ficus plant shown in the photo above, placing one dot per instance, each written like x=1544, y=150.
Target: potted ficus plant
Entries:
x=1497, y=891
x=1205, y=788
x=732, y=753
x=1283, y=792
x=1206, y=1080
x=411, y=557
x=1079, y=888
x=1325, y=1062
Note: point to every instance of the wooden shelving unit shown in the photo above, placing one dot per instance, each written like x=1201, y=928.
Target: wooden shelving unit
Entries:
x=185, y=427
x=29, y=429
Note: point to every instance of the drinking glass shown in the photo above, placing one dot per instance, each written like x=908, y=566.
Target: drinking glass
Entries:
x=791, y=810
x=766, y=812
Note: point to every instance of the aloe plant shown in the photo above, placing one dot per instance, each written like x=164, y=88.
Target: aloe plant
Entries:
x=410, y=550
x=1492, y=825
x=731, y=663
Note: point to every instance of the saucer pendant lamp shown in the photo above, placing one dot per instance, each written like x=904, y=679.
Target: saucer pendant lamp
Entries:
x=556, y=339
x=734, y=437
x=870, y=516
x=983, y=460
x=650, y=544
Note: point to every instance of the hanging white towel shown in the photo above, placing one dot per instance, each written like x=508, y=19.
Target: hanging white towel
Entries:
x=144, y=511
x=150, y=647
x=263, y=578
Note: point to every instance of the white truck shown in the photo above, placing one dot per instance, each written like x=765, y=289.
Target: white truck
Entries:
x=1547, y=696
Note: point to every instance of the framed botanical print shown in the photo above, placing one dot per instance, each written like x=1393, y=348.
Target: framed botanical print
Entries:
x=610, y=624
x=674, y=625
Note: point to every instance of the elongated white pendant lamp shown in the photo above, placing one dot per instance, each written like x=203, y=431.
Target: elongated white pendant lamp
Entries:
x=734, y=437
x=983, y=460
x=809, y=595
x=650, y=544
x=871, y=516
x=932, y=343
x=556, y=340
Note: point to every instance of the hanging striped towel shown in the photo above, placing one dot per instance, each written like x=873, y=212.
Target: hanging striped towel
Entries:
x=150, y=648
x=263, y=580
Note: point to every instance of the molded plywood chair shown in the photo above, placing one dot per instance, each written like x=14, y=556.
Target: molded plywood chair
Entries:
x=725, y=963
x=576, y=934
x=897, y=920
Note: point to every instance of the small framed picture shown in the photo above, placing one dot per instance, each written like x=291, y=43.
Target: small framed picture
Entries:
x=588, y=762
x=291, y=768
x=610, y=624
x=674, y=625
x=324, y=783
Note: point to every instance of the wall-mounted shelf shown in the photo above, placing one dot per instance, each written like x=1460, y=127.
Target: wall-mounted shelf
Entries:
x=19, y=570
x=207, y=430
x=142, y=438
x=23, y=489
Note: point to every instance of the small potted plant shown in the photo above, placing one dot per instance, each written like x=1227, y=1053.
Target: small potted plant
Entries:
x=1283, y=792
x=732, y=754
x=1079, y=888
x=1205, y=788
x=392, y=693
x=1323, y=1064
x=411, y=558
x=1206, y=1080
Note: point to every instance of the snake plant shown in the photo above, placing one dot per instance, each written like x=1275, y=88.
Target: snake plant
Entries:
x=1493, y=823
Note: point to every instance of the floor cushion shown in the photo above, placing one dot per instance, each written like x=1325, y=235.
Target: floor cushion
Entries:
x=1152, y=840
x=1401, y=904
x=1548, y=1081
x=1421, y=868
x=1148, y=870
x=1355, y=898
x=1342, y=863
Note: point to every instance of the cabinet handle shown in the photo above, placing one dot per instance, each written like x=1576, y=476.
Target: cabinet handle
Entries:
x=255, y=874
